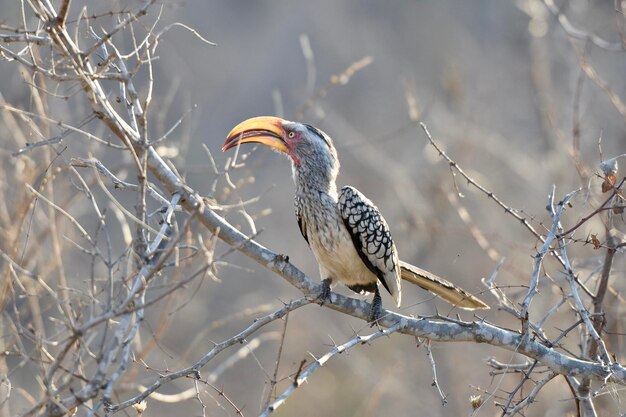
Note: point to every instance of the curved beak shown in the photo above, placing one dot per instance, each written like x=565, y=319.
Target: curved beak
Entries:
x=267, y=130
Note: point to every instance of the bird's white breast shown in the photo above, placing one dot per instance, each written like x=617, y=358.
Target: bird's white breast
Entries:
x=332, y=245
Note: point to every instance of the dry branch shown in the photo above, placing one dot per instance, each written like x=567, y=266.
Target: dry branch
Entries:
x=441, y=331
x=101, y=71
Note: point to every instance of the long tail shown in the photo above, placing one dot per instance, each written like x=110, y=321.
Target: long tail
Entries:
x=439, y=286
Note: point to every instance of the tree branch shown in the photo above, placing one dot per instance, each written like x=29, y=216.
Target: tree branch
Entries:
x=440, y=331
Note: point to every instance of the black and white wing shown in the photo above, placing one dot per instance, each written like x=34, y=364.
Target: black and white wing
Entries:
x=372, y=238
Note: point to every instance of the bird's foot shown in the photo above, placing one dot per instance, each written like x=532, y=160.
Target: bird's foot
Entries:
x=324, y=295
x=376, y=310
x=281, y=258
x=281, y=261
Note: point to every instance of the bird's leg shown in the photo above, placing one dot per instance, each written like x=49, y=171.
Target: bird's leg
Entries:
x=325, y=291
x=377, y=308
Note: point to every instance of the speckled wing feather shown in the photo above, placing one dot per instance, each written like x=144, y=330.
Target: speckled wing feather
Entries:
x=371, y=237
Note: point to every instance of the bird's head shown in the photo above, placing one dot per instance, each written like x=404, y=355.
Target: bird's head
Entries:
x=311, y=151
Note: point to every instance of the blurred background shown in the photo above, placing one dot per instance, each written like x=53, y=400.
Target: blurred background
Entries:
x=500, y=87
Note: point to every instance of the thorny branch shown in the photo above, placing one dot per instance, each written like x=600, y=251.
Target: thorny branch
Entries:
x=593, y=324
x=104, y=335
x=447, y=331
x=195, y=368
x=302, y=377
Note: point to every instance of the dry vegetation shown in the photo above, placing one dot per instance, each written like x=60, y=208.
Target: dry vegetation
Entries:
x=123, y=294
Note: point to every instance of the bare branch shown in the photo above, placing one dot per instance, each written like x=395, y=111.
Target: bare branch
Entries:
x=195, y=368
x=581, y=34
x=477, y=331
x=301, y=377
x=433, y=367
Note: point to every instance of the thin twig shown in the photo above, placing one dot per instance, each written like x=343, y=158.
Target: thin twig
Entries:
x=581, y=34
x=301, y=377
x=274, y=379
x=195, y=368
x=433, y=367
x=492, y=196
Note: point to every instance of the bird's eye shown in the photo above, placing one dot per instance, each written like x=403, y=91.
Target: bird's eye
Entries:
x=291, y=135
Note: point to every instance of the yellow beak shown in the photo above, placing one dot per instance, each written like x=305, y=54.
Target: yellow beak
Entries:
x=267, y=130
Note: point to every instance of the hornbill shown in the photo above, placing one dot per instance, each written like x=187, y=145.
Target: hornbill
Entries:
x=345, y=230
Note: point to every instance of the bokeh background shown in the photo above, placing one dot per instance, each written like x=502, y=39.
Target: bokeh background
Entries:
x=499, y=85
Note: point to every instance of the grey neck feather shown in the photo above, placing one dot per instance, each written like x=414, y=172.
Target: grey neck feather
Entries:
x=317, y=172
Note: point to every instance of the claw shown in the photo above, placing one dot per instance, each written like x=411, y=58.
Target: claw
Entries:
x=324, y=295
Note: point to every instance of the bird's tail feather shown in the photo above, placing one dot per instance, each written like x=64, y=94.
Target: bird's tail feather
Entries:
x=441, y=287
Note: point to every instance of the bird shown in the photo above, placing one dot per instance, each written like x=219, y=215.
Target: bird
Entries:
x=346, y=232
